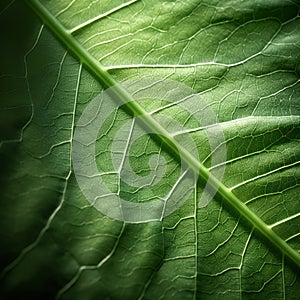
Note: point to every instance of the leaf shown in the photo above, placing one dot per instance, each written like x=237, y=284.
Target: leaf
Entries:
x=242, y=58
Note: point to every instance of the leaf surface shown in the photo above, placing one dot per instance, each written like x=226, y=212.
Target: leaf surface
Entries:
x=242, y=58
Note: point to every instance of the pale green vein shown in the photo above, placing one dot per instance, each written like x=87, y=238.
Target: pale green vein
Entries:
x=106, y=79
x=285, y=220
x=88, y=22
x=264, y=175
x=76, y=277
x=242, y=262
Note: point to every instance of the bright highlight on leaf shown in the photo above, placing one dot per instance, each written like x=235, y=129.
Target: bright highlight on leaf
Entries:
x=242, y=59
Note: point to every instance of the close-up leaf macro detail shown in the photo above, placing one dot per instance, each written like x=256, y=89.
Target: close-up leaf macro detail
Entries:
x=197, y=100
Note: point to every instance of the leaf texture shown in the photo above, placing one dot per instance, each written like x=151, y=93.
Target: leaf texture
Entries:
x=242, y=58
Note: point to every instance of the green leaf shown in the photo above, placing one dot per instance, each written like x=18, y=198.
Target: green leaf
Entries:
x=242, y=58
